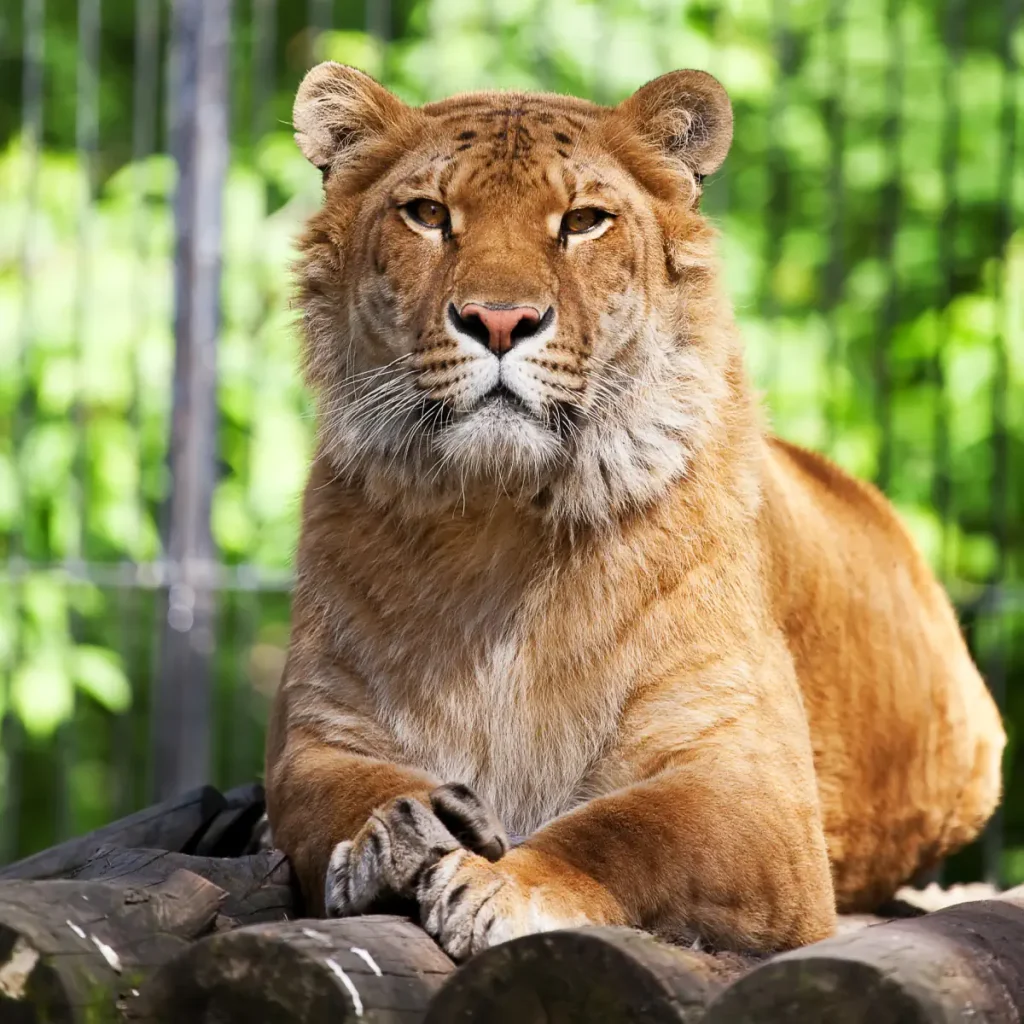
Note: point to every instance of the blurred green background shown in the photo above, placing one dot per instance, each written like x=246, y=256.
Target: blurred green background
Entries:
x=869, y=213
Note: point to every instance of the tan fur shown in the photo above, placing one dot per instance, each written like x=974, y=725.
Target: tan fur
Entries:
x=705, y=671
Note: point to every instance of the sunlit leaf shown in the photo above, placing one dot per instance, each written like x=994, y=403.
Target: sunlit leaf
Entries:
x=42, y=694
x=99, y=673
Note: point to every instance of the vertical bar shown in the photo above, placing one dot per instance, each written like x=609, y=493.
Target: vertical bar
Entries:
x=241, y=756
x=145, y=76
x=378, y=20
x=200, y=37
x=32, y=129
x=492, y=26
x=661, y=26
x=716, y=197
x=320, y=14
x=942, y=491
x=264, y=30
x=86, y=143
x=541, y=42
x=33, y=14
x=996, y=674
x=435, y=78
x=604, y=46
x=835, y=270
x=890, y=215
x=145, y=79
x=320, y=17
x=777, y=178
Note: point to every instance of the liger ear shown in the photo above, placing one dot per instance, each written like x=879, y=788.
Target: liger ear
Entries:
x=686, y=114
x=339, y=111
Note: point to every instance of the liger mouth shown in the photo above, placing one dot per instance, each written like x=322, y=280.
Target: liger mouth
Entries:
x=438, y=413
x=559, y=417
x=502, y=393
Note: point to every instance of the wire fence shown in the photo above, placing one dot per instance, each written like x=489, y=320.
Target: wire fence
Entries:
x=154, y=435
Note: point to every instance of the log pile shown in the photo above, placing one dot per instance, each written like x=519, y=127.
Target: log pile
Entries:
x=173, y=914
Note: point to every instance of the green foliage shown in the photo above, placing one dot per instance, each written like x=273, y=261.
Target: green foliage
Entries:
x=860, y=211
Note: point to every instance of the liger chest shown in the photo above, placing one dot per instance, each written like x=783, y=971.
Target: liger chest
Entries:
x=519, y=728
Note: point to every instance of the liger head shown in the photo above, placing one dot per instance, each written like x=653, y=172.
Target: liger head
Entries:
x=511, y=294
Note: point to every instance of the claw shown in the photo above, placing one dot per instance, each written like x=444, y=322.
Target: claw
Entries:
x=470, y=819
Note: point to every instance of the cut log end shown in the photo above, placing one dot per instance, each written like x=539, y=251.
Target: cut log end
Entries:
x=825, y=991
x=370, y=969
x=964, y=963
x=584, y=976
x=71, y=951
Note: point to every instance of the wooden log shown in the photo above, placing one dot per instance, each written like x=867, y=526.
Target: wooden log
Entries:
x=585, y=976
x=373, y=969
x=965, y=963
x=231, y=832
x=262, y=838
x=257, y=888
x=172, y=825
x=74, y=952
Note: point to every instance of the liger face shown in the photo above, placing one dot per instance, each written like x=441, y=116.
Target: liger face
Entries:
x=479, y=284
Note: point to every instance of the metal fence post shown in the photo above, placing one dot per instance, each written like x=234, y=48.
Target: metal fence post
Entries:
x=200, y=60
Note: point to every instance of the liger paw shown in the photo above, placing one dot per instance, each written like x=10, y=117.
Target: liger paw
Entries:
x=468, y=904
x=401, y=840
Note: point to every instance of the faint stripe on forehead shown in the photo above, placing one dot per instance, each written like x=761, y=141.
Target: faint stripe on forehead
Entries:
x=428, y=171
x=487, y=109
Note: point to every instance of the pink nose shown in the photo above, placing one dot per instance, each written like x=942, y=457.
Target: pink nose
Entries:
x=500, y=323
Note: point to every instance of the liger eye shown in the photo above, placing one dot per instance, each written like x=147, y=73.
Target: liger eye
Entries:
x=428, y=213
x=586, y=218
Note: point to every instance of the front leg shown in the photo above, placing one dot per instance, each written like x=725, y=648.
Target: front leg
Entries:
x=721, y=840
x=671, y=855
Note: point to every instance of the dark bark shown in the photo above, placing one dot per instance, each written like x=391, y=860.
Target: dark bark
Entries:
x=586, y=976
x=77, y=951
x=375, y=969
x=231, y=832
x=965, y=963
x=257, y=888
x=172, y=825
